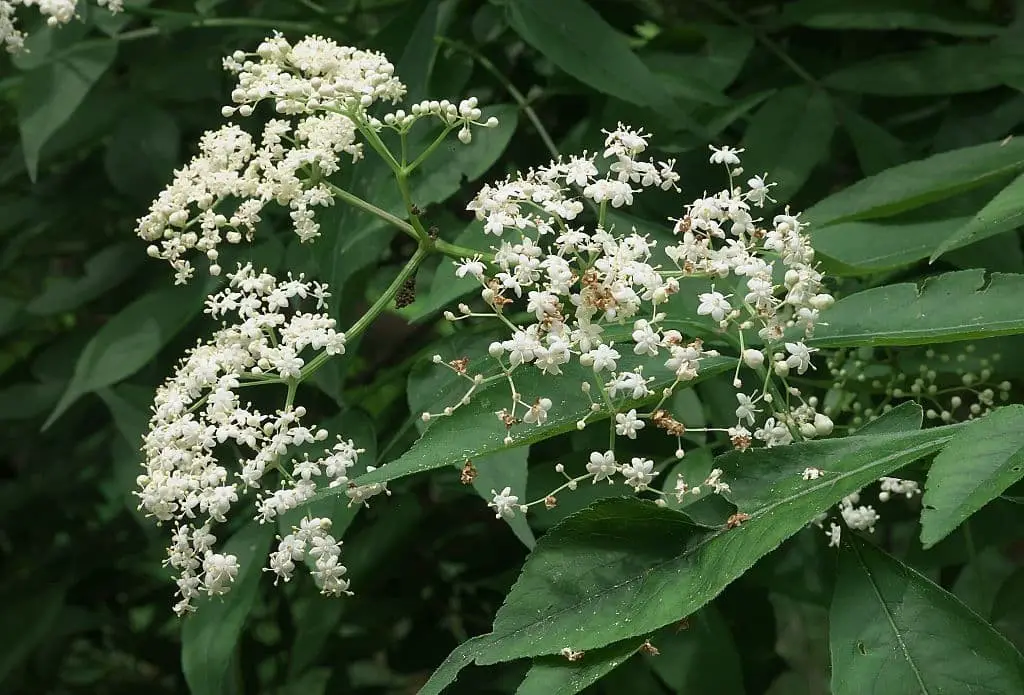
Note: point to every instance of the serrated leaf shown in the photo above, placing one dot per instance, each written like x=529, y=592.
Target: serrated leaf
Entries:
x=977, y=466
x=604, y=61
x=790, y=135
x=53, y=91
x=893, y=631
x=210, y=635
x=950, y=307
x=625, y=567
x=918, y=183
x=556, y=675
x=1002, y=214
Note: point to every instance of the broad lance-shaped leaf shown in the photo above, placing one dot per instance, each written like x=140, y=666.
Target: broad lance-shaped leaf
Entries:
x=131, y=339
x=946, y=308
x=914, y=184
x=473, y=431
x=892, y=631
x=1001, y=214
x=976, y=467
x=625, y=567
x=209, y=637
x=604, y=61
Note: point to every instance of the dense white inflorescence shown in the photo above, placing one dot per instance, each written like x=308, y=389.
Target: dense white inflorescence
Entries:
x=579, y=282
x=322, y=92
x=207, y=446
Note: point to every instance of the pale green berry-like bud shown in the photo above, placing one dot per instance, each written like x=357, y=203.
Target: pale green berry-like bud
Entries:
x=808, y=430
x=822, y=425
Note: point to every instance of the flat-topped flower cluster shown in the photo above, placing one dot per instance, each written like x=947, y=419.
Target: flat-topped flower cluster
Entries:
x=200, y=422
x=323, y=92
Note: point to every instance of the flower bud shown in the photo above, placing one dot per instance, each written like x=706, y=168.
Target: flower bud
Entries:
x=753, y=358
x=822, y=424
x=808, y=430
x=495, y=349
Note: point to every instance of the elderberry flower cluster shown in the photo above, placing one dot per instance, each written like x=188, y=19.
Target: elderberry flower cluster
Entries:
x=57, y=12
x=323, y=93
x=599, y=296
x=857, y=516
x=200, y=423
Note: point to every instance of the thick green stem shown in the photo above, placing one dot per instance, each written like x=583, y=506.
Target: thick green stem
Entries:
x=369, y=207
x=376, y=309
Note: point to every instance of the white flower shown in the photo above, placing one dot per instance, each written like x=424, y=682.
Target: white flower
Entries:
x=602, y=465
x=896, y=486
x=725, y=155
x=601, y=358
x=811, y=473
x=632, y=384
x=714, y=304
x=627, y=424
x=470, y=266
x=538, y=412
x=504, y=503
x=799, y=356
x=639, y=473
x=746, y=410
x=834, y=533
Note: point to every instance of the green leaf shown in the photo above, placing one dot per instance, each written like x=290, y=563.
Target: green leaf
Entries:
x=603, y=61
x=130, y=340
x=209, y=637
x=500, y=469
x=105, y=270
x=701, y=659
x=556, y=675
x=915, y=184
x=52, y=92
x=960, y=68
x=893, y=631
x=977, y=466
x=1008, y=609
x=472, y=431
x=453, y=163
x=143, y=151
x=950, y=307
x=789, y=136
x=1002, y=214
x=869, y=246
x=461, y=657
x=625, y=567
x=887, y=15
x=876, y=148
x=35, y=616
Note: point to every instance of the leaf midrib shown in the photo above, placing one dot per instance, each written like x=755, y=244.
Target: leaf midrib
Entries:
x=756, y=514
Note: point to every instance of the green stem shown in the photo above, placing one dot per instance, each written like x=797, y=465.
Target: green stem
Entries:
x=458, y=252
x=375, y=310
x=369, y=207
x=518, y=96
x=427, y=152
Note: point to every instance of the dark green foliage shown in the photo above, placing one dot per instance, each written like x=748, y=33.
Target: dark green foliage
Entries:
x=890, y=122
